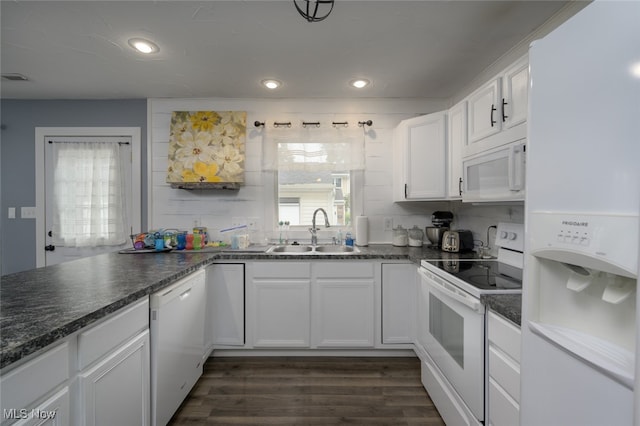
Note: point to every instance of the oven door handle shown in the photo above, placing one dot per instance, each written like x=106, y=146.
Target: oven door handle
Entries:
x=452, y=292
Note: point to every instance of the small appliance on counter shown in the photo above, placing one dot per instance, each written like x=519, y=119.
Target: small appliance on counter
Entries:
x=440, y=221
x=457, y=241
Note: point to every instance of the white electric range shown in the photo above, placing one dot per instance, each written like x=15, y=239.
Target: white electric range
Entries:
x=451, y=323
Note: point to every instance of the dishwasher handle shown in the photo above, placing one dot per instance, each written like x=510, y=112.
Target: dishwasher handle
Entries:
x=449, y=290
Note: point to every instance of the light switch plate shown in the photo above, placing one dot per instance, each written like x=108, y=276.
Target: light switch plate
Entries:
x=12, y=213
x=28, y=212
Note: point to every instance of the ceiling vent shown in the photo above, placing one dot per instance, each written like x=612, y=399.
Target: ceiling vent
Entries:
x=14, y=77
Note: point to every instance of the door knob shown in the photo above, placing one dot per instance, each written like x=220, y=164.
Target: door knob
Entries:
x=49, y=248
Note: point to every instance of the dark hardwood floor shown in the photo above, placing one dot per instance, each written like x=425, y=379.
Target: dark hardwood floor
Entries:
x=309, y=391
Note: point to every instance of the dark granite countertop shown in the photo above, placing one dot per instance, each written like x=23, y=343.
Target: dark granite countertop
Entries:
x=43, y=305
x=507, y=305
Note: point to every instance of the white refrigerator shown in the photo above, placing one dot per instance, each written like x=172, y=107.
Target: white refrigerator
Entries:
x=581, y=221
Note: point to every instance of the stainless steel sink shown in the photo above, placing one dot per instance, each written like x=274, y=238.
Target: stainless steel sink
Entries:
x=310, y=250
x=290, y=249
x=336, y=249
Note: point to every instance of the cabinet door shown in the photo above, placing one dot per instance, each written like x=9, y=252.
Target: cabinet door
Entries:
x=515, y=95
x=425, y=157
x=116, y=390
x=457, y=139
x=54, y=411
x=398, y=290
x=343, y=313
x=225, y=310
x=281, y=313
x=484, y=112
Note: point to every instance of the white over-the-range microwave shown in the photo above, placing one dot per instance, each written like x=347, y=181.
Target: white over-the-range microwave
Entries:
x=496, y=175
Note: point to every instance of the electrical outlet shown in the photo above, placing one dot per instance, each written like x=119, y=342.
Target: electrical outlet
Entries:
x=28, y=212
x=388, y=224
x=12, y=213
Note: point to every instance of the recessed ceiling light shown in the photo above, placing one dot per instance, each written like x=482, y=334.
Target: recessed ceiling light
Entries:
x=271, y=84
x=143, y=46
x=359, y=83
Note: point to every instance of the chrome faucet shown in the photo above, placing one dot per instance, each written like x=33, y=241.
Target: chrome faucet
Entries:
x=313, y=229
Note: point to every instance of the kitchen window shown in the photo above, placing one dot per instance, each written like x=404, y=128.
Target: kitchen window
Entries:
x=300, y=193
x=314, y=168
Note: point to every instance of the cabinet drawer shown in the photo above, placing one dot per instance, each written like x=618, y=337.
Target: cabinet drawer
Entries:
x=504, y=371
x=281, y=270
x=503, y=411
x=504, y=335
x=344, y=269
x=34, y=379
x=103, y=338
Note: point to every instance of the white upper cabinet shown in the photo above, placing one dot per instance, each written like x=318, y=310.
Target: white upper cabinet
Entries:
x=515, y=94
x=457, y=132
x=483, y=111
x=420, y=147
x=498, y=110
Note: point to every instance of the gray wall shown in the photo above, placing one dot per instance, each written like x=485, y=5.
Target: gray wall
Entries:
x=17, y=155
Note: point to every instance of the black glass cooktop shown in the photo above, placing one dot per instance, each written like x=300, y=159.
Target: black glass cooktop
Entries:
x=482, y=274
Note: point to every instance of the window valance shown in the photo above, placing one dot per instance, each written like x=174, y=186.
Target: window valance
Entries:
x=313, y=148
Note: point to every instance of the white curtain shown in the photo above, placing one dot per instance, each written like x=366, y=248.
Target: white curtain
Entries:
x=312, y=148
x=88, y=194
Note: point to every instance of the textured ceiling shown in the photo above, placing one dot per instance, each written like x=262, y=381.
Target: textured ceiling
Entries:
x=413, y=49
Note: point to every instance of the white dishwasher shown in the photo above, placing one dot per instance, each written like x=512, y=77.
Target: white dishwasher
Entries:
x=177, y=344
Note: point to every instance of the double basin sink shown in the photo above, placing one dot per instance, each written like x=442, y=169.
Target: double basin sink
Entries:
x=310, y=250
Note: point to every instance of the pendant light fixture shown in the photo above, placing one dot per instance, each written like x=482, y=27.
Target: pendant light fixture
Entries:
x=314, y=10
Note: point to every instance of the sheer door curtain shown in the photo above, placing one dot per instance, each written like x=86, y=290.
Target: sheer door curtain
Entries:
x=88, y=194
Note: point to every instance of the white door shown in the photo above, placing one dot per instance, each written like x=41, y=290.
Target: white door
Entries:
x=126, y=142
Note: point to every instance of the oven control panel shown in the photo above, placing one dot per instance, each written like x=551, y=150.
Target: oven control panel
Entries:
x=511, y=236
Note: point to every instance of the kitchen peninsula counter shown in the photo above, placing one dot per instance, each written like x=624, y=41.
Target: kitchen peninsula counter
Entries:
x=41, y=306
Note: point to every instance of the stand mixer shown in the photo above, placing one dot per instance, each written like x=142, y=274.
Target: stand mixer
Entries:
x=440, y=221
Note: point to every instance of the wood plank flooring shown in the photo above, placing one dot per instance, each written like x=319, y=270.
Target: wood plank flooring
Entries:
x=309, y=391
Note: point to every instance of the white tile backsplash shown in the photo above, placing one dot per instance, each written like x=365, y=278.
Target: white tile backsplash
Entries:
x=173, y=208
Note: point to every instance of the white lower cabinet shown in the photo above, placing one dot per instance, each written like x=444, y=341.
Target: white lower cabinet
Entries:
x=320, y=304
x=38, y=389
x=279, y=298
x=116, y=390
x=343, y=314
x=225, y=310
x=281, y=313
x=114, y=364
x=52, y=412
x=398, y=302
x=504, y=371
x=97, y=376
x=343, y=305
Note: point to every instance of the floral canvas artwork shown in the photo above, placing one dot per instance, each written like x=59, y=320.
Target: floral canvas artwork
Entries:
x=207, y=147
